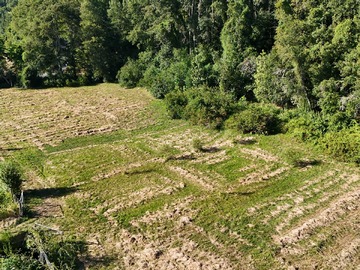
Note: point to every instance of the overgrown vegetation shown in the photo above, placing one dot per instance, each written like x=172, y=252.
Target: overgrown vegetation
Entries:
x=38, y=250
x=11, y=176
x=205, y=56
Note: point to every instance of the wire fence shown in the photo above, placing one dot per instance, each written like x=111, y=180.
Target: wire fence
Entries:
x=21, y=202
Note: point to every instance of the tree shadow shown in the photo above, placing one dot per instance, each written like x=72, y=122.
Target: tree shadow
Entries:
x=302, y=163
x=49, y=192
x=11, y=149
x=245, y=141
x=32, y=207
x=97, y=261
x=181, y=157
x=212, y=149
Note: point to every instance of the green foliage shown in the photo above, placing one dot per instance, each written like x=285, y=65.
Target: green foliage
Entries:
x=202, y=105
x=256, y=119
x=328, y=93
x=5, y=198
x=101, y=44
x=198, y=145
x=248, y=30
x=20, y=262
x=29, y=78
x=343, y=145
x=271, y=86
x=130, y=74
x=208, y=106
x=21, y=251
x=169, y=71
x=203, y=71
x=176, y=102
x=64, y=254
x=7, y=205
x=307, y=126
x=48, y=42
x=10, y=175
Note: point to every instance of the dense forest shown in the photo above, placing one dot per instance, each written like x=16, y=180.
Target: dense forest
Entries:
x=261, y=66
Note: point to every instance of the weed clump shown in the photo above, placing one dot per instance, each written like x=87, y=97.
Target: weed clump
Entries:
x=198, y=145
x=11, y=176
x=256, y=119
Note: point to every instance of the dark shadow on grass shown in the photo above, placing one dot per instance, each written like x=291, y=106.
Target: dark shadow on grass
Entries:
x=181, y=157
x=239, y=193
x=245, y=141
x=95, y=262
x=49, y=192
x=302, y=163
x=211, y=149
x=11, y=149
x=139, y=171
x=47, y=210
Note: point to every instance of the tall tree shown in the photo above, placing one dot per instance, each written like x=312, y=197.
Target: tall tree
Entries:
x=48, y=42
x=249, y=29
x=313, y=41
x=100, y=50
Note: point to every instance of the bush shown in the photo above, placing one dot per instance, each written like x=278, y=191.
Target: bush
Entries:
x=65, y=254
x=256, y=119
x=209, y=106
x=169, y=71
x=130, y=74
x=176, y=102
x=198, y=145
x=5, y=198
x=307, y=126
x=344, y=145
x=29, y=78
x=10, y=174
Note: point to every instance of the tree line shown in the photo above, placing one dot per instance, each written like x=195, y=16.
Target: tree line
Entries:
x=301, y=54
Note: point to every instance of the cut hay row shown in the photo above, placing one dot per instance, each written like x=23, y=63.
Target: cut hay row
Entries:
x=72, y=114
x=194, y=177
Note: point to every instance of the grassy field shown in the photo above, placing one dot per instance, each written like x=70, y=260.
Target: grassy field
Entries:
x=107, y=167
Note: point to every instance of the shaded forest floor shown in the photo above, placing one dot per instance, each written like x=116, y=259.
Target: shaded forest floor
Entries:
x=106, y=166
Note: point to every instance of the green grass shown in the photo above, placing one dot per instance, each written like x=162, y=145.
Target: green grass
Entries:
x=117, y=178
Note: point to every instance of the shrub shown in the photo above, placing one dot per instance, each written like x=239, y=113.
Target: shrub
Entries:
x=10, y=174
x=198, y=145
x=130, y=74
x=176, y=102
x=256, y=119
x=169, y=71
x=5, y=198
x=307, y=126
x=344, y=145
x=64, y=254
x=29, y=78
x=209, y=106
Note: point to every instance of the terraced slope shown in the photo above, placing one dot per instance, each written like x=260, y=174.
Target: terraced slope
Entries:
x=142, y=197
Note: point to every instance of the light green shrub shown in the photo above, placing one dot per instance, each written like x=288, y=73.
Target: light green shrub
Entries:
x=256, y=119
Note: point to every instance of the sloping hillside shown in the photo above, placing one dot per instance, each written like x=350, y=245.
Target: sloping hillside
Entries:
x=114, y=172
